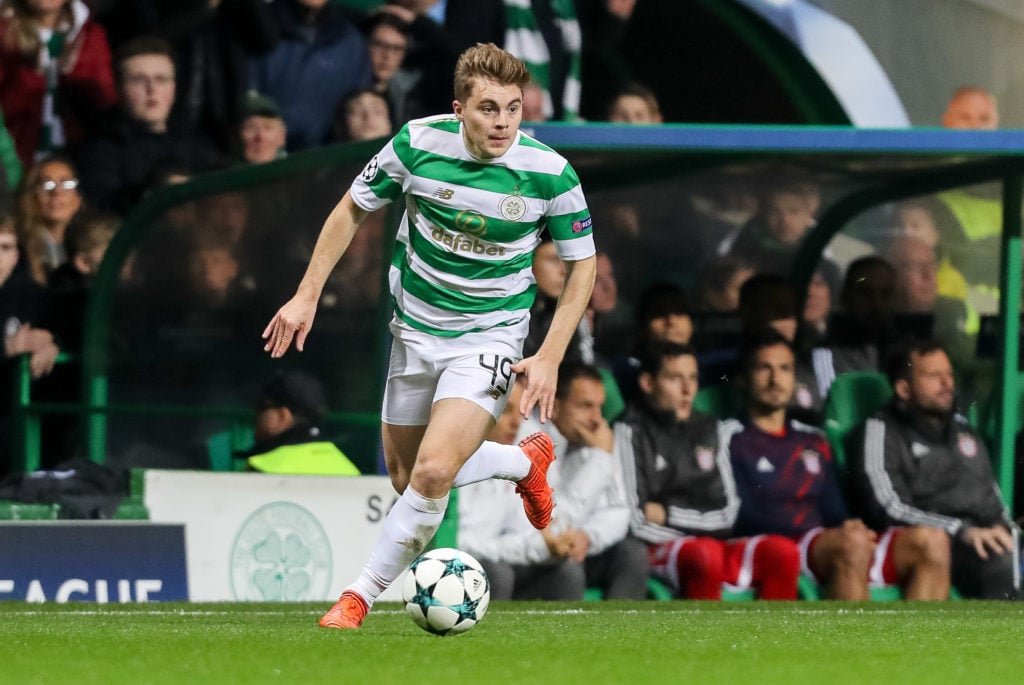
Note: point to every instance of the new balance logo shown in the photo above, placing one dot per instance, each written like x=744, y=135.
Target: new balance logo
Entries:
x=444, y=193
x=764, y=466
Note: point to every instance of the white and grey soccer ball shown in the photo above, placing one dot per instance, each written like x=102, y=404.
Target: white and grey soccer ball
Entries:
x=446, y=591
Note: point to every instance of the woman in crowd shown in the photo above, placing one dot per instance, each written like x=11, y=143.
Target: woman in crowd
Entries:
x=47, y=201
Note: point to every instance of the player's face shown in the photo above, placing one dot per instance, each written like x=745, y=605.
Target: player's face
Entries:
x=507, y=427
x=931, y=384
x=490, y=116
x=674, y=386
x=772, y=377
x=580, y=409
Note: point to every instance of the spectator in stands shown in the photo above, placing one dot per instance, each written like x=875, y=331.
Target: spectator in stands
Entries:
x=789, y=485
x=262, y=133
x=919, y=463
x=425, y=77
x=719, y=282
x=533, y=103
x=770, y=239
x=971, y=107
x=546, y=38
x=634, y=104
x=817, y=307
x=684, y=497
x=48, y=200
x=918, y=218
x=24, y=310
x=917, y=295
x=363, y=116
x=662, y=315
x=320, y=58
x=520, y=562
x=85, y=242
x=388, y=39
x=55, y=74
x=860, y=332
x=289, y=409
x=118, y=166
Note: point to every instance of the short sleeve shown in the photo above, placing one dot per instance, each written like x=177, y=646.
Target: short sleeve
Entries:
x=569, y=220
x=385, y=177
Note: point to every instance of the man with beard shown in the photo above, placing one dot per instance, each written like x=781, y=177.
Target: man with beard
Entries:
x=789, y=485
x=919, y=463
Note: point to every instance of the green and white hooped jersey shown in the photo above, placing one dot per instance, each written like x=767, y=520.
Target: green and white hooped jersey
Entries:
x=464, y=251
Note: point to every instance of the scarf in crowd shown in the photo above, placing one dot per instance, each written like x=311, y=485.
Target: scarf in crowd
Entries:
x=523, y=38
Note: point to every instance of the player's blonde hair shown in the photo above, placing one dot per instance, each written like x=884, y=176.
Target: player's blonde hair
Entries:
x=488, y=61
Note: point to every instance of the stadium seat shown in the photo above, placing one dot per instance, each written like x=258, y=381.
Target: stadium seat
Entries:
x=614, y=403
x=719, y=401
x=851, y=400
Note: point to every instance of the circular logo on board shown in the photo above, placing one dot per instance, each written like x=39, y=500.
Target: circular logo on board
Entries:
x=512, y=207
x=280, y=554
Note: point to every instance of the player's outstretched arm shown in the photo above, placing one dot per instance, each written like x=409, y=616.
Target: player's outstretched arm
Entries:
x=294, y=320
x=541, y=370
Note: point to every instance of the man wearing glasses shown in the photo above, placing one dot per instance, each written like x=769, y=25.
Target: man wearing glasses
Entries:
x=117, y=166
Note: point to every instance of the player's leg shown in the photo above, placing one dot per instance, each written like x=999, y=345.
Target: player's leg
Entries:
x=486, y=380
x=400, y=443
x=840, y=558
x=700, y=564
x=772, y=563
x=918, y=558
x=455, y=431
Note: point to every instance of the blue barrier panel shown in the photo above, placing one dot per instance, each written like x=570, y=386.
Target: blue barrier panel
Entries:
x=102, y=561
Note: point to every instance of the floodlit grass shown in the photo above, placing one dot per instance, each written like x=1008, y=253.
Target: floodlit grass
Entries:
x=824, y=643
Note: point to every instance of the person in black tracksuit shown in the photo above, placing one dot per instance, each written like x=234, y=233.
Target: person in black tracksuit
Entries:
x=917, y=462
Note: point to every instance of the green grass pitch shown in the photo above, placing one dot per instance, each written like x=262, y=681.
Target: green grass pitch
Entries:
x=824, y=643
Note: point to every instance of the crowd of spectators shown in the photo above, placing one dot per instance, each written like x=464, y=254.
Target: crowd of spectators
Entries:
x=106, y=102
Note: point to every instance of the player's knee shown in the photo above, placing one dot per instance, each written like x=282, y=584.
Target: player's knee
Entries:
x=927, y=545
x=701, y=557
x=855, y=549
x=432, y=476
x=779, y=553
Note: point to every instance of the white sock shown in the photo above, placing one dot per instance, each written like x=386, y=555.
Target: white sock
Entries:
x=408, y=527
x=494, y=460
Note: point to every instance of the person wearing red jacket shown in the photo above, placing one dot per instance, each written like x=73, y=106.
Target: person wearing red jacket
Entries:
x=55, y=74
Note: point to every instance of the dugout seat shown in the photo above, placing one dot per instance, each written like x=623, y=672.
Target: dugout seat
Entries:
x=720, y=401
x=851, y=400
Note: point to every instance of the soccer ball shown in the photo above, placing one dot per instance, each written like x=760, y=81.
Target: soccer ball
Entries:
x=446, y=591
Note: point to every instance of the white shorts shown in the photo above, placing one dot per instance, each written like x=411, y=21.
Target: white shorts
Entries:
x=425, y=368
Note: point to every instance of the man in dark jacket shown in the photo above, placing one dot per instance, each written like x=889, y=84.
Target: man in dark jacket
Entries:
x=919, y=463
x=118, y=167
x=677, y=467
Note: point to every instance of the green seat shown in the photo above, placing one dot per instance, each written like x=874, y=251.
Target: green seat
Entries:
x=851, y=400
x=614, y=403
x=719, y=401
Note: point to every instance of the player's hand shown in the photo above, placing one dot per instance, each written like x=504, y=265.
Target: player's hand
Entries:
x=291, y=322
x=559, y=544
x=995, y=539
x=656, y=513
x=579, y=544
x=599, y=436
x=541, y=379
